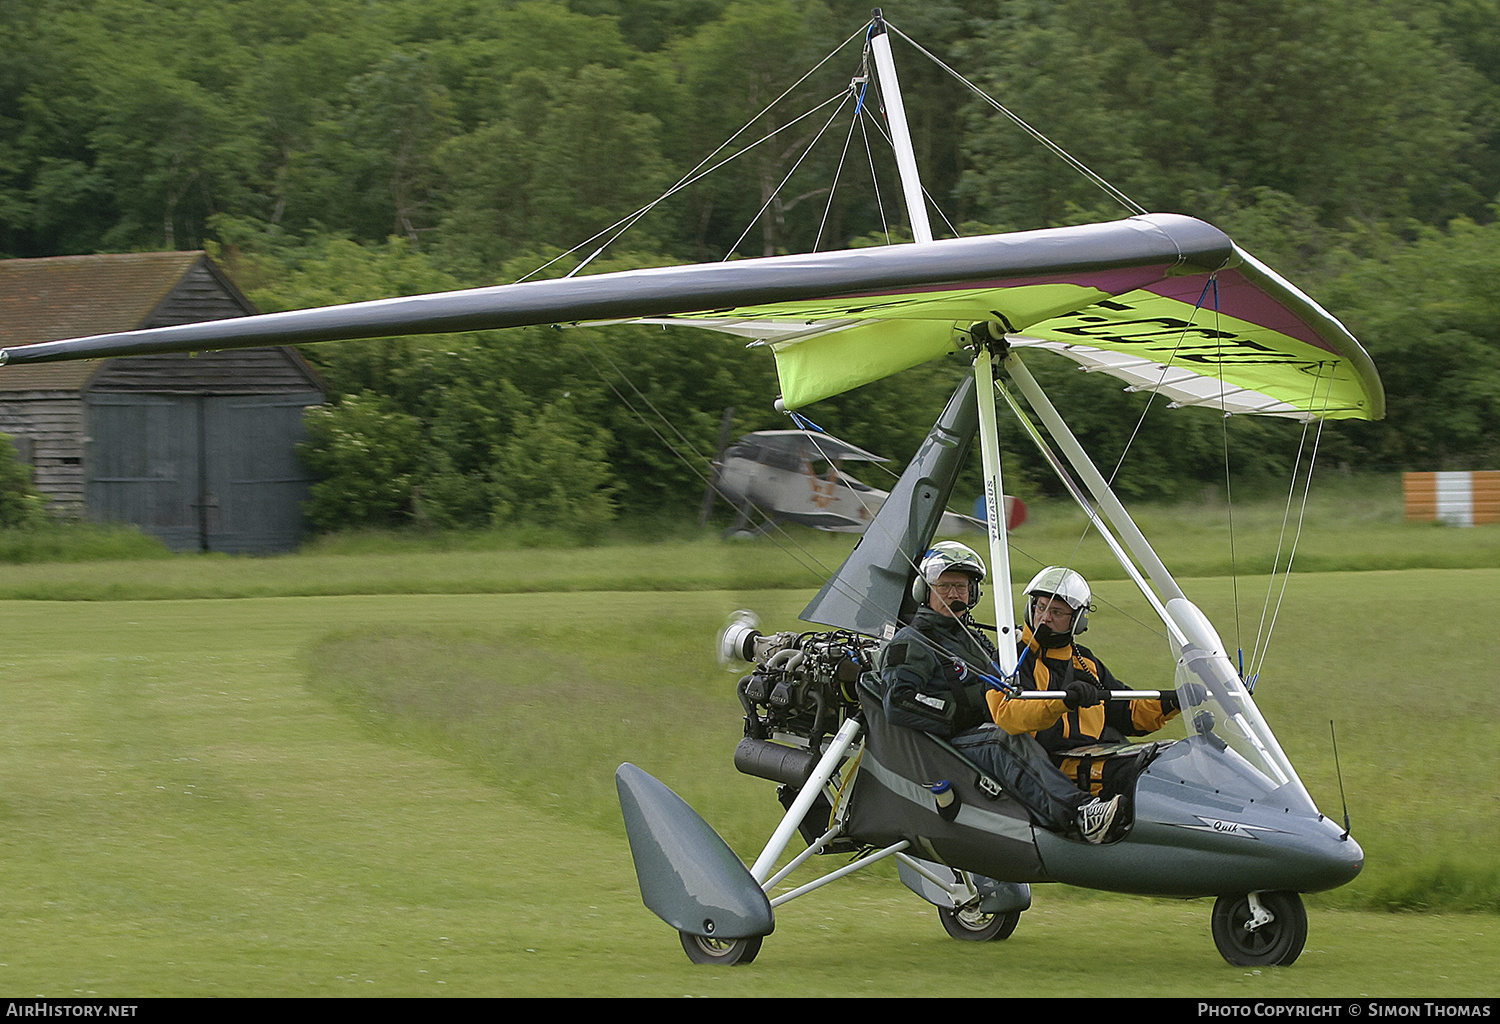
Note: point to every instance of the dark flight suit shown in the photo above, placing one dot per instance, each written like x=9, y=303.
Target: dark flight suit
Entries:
x=931, y=675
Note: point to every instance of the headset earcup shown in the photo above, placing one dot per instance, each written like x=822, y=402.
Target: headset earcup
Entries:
x=919, y=590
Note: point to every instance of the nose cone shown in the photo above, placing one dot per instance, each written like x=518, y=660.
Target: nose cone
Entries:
x=1190, y=842
x=1332, y=859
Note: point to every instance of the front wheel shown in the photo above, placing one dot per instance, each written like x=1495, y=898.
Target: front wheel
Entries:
x=1272, y=939
x=973, y=925
x=702, y=949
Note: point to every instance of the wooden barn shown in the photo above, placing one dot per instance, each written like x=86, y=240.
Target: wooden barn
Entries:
x=198, y=450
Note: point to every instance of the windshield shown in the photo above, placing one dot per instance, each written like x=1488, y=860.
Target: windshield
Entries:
x=1223, y=721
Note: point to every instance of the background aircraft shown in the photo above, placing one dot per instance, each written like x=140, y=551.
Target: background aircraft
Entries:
x=797, y=476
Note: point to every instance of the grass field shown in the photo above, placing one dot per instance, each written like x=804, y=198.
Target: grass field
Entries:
x=411, y=794
x=1360, y=530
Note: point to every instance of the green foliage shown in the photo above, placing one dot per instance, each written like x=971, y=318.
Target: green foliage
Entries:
x=1187, y=98
x=84, y=544
x=21, y=507
x=552, y=471
x=366, y=456
x=567, y=158
x=1431, y=322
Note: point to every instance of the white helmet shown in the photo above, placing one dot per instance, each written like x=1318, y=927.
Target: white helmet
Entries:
x=1066, y=585
x=948, y=556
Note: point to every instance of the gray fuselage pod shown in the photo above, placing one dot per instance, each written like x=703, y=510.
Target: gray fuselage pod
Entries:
x=689, y=876
x=1205, y=825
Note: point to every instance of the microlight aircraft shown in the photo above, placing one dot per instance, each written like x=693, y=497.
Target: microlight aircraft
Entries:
x=1168, y=304
x=798, y=476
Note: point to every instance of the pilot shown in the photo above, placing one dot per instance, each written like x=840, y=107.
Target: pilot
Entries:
x=934, y=670
x=1056, y=611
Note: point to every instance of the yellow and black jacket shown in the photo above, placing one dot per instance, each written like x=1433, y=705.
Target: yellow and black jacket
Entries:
x=1059, y=729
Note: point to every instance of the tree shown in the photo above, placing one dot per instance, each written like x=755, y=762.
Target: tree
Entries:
x=366, y=457
x=374, y=153
x=1431, y=321
x=569, y=156
x=552, y=472
x=1348, y=108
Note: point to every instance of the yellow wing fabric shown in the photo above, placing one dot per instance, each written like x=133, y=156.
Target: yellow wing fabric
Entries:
x=1246, y=342
x=1239, y=339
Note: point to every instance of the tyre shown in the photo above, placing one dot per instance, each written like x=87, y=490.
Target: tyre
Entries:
x=973, y=925
x=725, y=952
x=1276, y=943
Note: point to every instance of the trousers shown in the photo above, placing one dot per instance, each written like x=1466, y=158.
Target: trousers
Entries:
x=1023, y=769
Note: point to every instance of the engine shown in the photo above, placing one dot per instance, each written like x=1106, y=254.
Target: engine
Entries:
x=800, y=691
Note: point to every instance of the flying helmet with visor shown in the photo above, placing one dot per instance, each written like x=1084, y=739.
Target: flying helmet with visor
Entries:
x=1065, y=585
x=948, y=556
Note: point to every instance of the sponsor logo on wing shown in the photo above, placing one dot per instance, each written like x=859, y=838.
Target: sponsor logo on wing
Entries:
x=1228, y=828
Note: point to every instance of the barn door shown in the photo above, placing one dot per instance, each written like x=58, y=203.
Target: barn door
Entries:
x=253, y=483
x=203, y=473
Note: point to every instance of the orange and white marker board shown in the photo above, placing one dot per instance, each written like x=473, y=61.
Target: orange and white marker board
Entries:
x=1459, y=498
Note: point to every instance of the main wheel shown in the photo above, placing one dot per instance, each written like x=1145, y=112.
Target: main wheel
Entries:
x=973, y=925
x=1274, y=943
x=726, y=952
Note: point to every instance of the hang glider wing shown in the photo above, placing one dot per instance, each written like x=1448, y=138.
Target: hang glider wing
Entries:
x=1162, y=301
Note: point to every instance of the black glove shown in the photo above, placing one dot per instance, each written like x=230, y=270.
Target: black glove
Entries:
x=1196, y=693
x=1081, y=693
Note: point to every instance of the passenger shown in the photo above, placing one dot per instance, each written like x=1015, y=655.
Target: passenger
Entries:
x=1056, y=611
x=934, y=670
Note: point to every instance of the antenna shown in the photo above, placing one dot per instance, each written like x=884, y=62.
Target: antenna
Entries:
x=1344, y=800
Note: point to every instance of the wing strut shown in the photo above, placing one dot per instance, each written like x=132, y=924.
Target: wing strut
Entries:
x=994, y=505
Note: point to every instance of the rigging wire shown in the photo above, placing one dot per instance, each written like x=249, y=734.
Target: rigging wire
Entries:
x=701, y=170
x=1234, y=573
x=1068, y=158
x=885, y=224
x=837, y=173
x=777, y=190
x=1261, y=648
